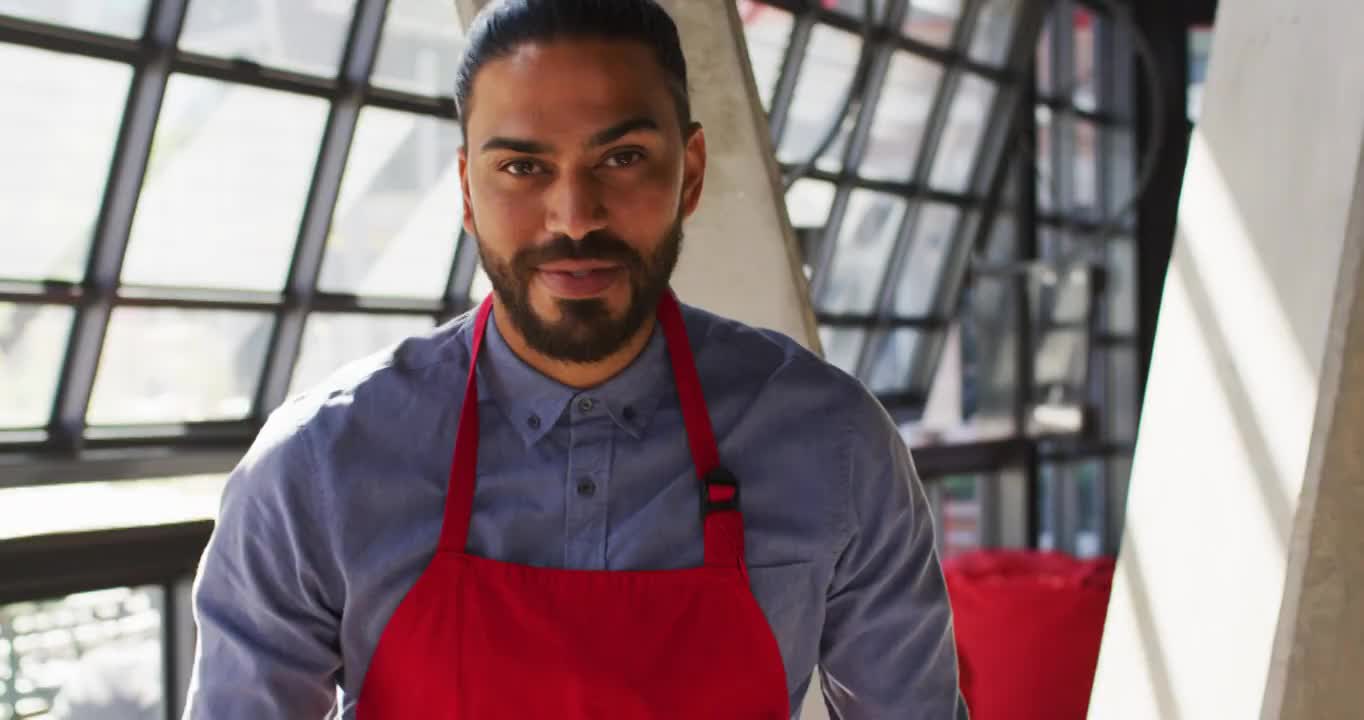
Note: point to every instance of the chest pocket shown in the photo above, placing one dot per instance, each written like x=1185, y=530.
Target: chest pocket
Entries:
x=791, y=597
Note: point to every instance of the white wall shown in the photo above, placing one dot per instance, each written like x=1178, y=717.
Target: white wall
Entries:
x=1244, y=358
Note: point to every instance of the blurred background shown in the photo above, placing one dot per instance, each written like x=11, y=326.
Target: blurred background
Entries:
x=207, y=205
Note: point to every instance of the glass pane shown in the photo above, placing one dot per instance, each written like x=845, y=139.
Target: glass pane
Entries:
x=421, y=48
x=1086, y=164
x=1048, y=485
x=89, y=506
x=61, y=117
x=843, y=346
x=1087, y=478
x=32, y=344
x=830, y=63
x=397, y=220
x=1046, y=150
x=864, y=245
x=92, y=655
x=306, y=37
x=809, y=201
x=1200, y=51
x=1119, y=161
x=1046, y=67
x=932, y=21
x=890, y=369
x=922, y=273
x=994, y=31
x=767, y=32
x=1060, y=364
x=164, y=365
x=897, y=131
x=1002, y=246
x=331, y=340
x=1122, y=395
x=990, y=341
x=856, y=8
x=961, y=140
x=481, y=287
x=112, y=17
x=1085, y=95
x=1121, y=286
x=225, y=188
x=960, y=515
x=1069, y=301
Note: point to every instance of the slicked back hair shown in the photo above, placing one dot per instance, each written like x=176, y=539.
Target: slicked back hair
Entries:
x=506, y=25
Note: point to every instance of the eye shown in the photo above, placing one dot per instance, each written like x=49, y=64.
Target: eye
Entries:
x=521, y=168
x=624, y=159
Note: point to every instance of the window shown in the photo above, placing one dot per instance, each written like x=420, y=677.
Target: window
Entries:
x=225, y=187
x=396, y=226
x=298, y=36
x=61, y=117
x=87, y=655
x=124, y=18
x=189, y=247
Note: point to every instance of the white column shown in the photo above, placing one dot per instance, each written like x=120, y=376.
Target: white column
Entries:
x=1239, y=591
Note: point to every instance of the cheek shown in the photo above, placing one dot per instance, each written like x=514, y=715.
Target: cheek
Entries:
x=647, y=204
x=505, y=219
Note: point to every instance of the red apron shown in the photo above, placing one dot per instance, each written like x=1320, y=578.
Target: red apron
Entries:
x=479, y=639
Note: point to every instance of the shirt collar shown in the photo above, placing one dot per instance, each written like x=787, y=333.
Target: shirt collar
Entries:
x=534, y=403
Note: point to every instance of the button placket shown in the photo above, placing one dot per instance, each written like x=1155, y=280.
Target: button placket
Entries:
x=586, y=491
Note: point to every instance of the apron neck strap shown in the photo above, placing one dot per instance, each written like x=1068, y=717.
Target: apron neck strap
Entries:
x=719, y=492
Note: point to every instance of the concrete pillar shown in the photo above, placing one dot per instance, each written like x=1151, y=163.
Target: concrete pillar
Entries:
x=741, y=258
x=1240, y=586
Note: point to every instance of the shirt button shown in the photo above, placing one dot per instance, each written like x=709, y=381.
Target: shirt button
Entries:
x=587, y=488
x=585, y=405
x=534, y=422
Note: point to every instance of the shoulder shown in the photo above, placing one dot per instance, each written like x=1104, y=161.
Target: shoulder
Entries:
x=292, y=460
x=774, y=364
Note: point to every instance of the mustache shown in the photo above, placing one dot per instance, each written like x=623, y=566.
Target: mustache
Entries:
x=596, y=245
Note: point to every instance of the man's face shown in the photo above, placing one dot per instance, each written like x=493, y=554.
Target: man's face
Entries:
x=577, y=178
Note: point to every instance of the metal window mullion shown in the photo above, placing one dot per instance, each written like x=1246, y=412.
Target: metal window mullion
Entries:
x=821, y=264
x=362, y=44
x=68, y=41
x=458, y=289
x=165, y=19
x=871, y=95
x=991, y=164
x=928, y=150
x=783, y=96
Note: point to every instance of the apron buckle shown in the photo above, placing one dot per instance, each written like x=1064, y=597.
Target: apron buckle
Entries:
x=720, y=492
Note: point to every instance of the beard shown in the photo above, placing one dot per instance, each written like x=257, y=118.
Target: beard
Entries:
x=585, y=332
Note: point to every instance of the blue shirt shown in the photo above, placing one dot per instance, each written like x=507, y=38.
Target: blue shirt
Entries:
x=336, y=510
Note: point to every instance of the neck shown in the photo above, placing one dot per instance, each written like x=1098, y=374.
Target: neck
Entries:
x=574, y=375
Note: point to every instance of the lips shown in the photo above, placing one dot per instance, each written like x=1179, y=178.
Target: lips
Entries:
x=578, y=280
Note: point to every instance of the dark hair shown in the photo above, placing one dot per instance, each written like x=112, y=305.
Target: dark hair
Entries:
x=505, y=25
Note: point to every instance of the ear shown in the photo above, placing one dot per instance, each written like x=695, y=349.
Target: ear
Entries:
x=693, y=169
x=464, y=189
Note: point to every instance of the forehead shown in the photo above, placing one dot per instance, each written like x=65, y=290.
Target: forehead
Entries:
x=568, y=87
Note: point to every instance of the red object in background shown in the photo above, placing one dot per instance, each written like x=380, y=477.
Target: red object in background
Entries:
x=1028, y=628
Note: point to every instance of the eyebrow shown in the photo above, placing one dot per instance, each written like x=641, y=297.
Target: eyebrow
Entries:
x=620, y=130
x=609, y=135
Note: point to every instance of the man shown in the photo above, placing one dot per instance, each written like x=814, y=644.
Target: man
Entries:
x=582, y=501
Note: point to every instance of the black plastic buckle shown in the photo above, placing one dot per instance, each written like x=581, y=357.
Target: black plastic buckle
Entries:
x=719, y=476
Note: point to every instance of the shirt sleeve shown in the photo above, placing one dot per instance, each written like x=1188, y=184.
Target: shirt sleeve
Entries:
x=887, y=649
x=264, y=605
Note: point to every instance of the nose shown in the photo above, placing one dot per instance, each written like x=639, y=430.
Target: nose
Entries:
x=574, y=206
